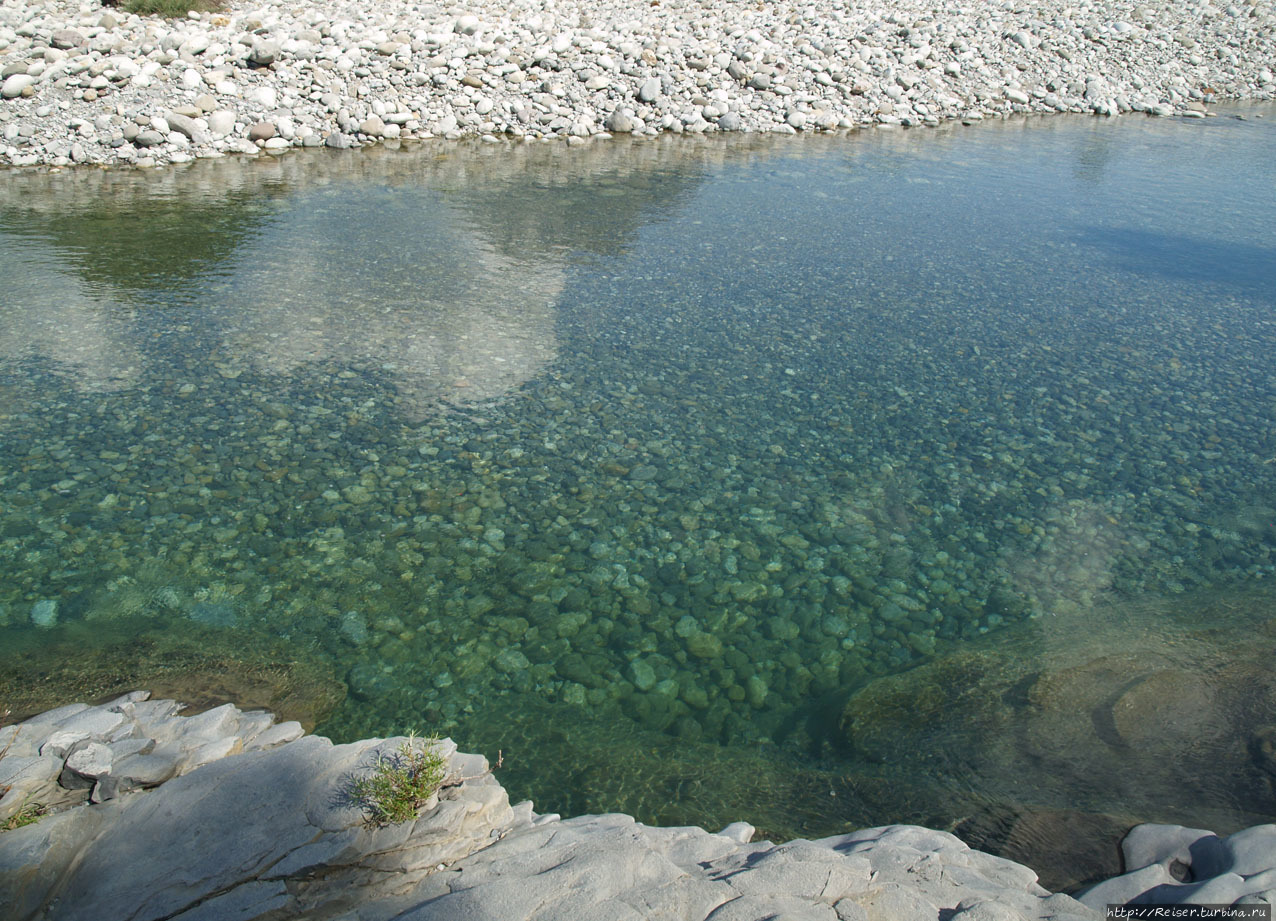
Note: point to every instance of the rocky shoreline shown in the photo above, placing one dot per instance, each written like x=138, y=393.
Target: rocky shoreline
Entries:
x=84, y=84
x=157, y=815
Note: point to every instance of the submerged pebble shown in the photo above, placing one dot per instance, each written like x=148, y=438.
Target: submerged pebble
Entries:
x=44, y=613
x=214, y=614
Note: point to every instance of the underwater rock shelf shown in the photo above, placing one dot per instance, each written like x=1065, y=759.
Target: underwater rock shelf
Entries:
x=229, y=814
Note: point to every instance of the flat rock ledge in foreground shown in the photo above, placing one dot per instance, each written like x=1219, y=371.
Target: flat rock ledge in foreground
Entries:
x=228, y=815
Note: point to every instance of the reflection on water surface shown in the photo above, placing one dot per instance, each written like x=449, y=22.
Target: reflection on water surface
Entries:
x=663, y=466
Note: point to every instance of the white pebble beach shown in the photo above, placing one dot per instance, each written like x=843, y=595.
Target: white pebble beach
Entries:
x=86, y=84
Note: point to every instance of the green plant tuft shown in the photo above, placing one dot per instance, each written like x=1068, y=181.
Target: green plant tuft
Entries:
x=169, y=9
x=401, y=783
x=28, y=814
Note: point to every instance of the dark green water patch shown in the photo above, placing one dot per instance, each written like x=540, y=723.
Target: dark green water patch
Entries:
x=667, y=466
x=97, y=661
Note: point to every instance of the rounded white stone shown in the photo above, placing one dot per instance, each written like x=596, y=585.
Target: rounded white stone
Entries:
x=15, y=84
x=221, y=123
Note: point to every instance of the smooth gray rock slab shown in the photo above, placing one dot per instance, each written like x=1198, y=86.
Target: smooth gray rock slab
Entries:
x=192, y=731
x=253, y=723
x=1223, y=889
x=144, y=770
x=802, y=869
x=27, y=779
x=606, y=864
x=210, y=751
x=754, y=907
x=237, y=838
x=98, y=722
x=251, y=900
x=60, y=743
x=1121, y=890
x=984, y=910
x=9, y=736
x=279, y=734
x=612, y=867
x=131, y=697
x=1190, y=866
x=55, y=716
x=1252, y=850
x=33, y=859
x=141, y=868
x=894, y=901
x=1148, y=844
x=126, y=747
x=149, y=714
x=1259, y=886
x=14, y=769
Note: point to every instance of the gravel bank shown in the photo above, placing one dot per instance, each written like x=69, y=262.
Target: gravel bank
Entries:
x=85, y=84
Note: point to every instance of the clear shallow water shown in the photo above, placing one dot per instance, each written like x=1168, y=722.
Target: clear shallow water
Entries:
x=636, y=460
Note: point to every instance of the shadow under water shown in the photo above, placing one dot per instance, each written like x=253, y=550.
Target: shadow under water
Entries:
x=1248, y=269
x=200, y=667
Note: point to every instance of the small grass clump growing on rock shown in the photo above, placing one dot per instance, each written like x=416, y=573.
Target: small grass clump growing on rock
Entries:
x=27, y=814
x=402, y=782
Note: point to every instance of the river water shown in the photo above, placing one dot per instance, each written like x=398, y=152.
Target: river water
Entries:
x=815, y=481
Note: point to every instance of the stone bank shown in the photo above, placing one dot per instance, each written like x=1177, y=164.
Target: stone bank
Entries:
x=88, y=85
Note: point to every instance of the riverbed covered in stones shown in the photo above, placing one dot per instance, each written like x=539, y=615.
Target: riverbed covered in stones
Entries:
x=636, y=459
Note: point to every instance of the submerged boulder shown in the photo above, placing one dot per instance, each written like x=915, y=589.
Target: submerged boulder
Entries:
x=1127, y=714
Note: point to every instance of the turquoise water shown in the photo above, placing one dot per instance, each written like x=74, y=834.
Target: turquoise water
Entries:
x=634, y=460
